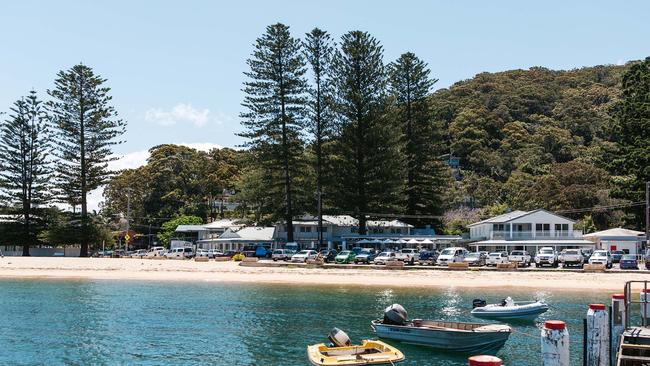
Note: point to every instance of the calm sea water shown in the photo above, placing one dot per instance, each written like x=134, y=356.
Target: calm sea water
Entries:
x=151, y=323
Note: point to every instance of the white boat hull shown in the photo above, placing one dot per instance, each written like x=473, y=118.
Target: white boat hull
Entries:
x=521, y=310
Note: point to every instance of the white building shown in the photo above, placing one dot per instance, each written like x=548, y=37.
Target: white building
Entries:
x=526, y=230
x=629, y=241
x=238, y=238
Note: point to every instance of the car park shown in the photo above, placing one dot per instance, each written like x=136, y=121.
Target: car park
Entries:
x=572, y=257
x=547, y=256
x=616, y=255
x=495, y=258
x=601, y=257
x=451, y=255
x=304, y=256
x=346, y=256
x=384, y=257
x=475, y=259
x=521, y=257
x=365, y=256
x=428, y=257
x=628, y=261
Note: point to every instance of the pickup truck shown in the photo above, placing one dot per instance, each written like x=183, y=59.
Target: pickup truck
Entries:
x=572, y=257
x=546, y=256
x=521, y=257
x=408, y=255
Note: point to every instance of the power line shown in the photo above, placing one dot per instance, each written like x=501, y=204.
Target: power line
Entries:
x=602, y=208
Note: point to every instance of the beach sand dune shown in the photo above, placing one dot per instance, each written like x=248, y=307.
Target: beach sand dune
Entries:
x=181, y=270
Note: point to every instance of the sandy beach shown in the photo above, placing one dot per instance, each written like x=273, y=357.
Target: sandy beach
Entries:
x=178, y=270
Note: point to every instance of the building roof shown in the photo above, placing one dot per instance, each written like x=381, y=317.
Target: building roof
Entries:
x=387, y=223
x=189, y=228
x=347, y=220
x=509, y=216
x=222, y=224
x=614, y=232
x=251, y=233
x=536, y=242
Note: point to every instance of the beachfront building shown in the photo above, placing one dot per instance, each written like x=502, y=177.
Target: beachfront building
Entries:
x=342, y=231
x=236, y=238
x=629, y=241
x=526, y=230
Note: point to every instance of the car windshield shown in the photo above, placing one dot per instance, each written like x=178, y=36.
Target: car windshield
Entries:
x=304, y=252
x=448, y=252
x=384, y=254
x=600, y=254
x=495, y=254
x=571, y=252
x=347, y=252
x=517, y=253
x=546, y=251
x=618, y=252
x=473, y=255
x=365, y=251
x=278, y=251
x=629, y=257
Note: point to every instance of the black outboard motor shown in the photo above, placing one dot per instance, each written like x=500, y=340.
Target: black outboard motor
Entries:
x=339, y=338
x=395, y=315
x=478, y=303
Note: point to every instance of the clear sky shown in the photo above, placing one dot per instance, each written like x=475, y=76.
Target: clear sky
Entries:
x=175, y=67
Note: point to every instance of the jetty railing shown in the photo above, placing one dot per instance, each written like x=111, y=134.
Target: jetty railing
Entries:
x=644, y=301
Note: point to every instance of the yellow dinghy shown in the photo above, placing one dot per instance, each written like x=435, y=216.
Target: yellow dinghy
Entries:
x=342, y=352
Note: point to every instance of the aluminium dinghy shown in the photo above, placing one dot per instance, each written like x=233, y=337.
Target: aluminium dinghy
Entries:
x=509, y=309
x=343, y=352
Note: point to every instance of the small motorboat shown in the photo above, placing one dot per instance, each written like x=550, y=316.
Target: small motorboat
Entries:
x=343, y=352
x=473, y=338
x=509, y=309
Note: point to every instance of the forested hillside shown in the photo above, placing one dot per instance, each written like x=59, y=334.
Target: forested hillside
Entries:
x=532, y=138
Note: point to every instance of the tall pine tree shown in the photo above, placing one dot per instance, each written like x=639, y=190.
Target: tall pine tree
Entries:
x=368, y=162
x=410, y=84
x=275, y=117
x=318, y=52
x=633, y=132
x=87, y=127
x=24, y=170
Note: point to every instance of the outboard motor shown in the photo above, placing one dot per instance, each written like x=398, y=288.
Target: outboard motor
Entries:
x=395, y=315
x=478, y=303
x=339, y=338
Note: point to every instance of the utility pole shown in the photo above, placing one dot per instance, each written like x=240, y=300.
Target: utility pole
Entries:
x=647, y=214
x=320, y=219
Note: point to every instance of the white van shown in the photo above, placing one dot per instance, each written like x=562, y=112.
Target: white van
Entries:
x=180, y=253
x=451, y=255
x=155, y=252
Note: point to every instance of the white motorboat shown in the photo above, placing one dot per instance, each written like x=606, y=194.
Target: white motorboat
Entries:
x=509, y=309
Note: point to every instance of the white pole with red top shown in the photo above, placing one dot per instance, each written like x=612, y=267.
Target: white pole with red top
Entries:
x=597, y=336
x=555, y=343
x=484, y=361
x=644, y=299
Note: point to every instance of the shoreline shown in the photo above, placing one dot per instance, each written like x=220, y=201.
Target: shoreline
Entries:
x=131, y=269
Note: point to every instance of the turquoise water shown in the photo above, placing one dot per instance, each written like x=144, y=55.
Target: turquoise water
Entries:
x=156, y=323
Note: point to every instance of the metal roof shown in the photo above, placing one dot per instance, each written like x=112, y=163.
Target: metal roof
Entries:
x=507, y=217
x=614, y=232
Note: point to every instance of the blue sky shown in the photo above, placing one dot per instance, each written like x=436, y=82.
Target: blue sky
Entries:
x=175, y=67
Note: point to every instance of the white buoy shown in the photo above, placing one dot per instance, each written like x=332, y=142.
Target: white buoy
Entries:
x=618, y=322
x=555, y=343
x=597, y=336
x=644, y=295
x=484, y=361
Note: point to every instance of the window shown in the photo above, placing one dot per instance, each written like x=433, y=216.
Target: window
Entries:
x=498, y=227
x=398, y=231
x=305, y=229
x=324, y=229
x=354, y=229
x=561, y=227
x=543, y=227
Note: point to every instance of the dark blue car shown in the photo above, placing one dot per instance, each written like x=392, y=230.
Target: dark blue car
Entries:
x=628, y=261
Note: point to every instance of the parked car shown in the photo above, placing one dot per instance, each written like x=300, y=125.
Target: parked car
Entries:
x=213, y=253
x=356, y=250
x=228, y=254
x=451, y=255
x=628, y=261
x=281, y=255
x=384, y=257
x=428, y=257
x=303, y=256
x=328, y=255
x=118, y=253
x=180, y=253
x=365, y=256
x=346, y=256
x=572, y=257
x=587, y=254
x=647, y=259
x=140, y=253
x=601, y=257
x=521, y=257
x=546, y=256
x=201, y=253
x=616, y=256
x=495, y=258
x=155, y=252
x=475, y=259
